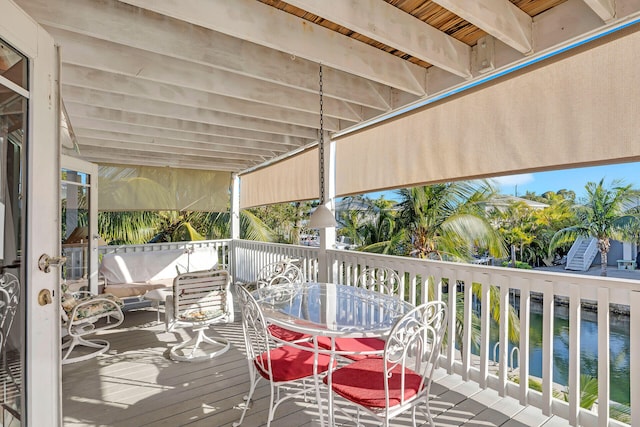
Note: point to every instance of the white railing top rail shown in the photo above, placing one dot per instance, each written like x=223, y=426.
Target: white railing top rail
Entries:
x=163, y=246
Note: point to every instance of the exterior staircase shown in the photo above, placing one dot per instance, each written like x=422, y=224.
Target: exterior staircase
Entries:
x=582, y=253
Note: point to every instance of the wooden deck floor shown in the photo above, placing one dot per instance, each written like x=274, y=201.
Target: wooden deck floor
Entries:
x=136, y=384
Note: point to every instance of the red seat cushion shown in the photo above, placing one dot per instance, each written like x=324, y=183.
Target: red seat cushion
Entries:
x=286, y=334
x=362, y=382
x=354, y=345
x=290, y=363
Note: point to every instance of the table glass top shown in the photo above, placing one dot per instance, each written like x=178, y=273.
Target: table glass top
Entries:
x=330, y=309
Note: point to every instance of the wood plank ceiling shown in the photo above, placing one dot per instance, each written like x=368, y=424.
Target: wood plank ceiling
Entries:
x=229, y=85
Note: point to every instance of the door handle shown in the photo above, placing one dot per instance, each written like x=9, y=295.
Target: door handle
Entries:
x=45, y=262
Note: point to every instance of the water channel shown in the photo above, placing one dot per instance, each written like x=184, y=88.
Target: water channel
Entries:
x=618, y=347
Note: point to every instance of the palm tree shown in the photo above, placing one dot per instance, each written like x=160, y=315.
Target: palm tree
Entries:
x=602, y=217
x=448, y=221
x=128, y=228
x=139, y=227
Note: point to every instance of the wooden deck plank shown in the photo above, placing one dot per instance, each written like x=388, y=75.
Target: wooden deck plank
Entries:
x=136, y=384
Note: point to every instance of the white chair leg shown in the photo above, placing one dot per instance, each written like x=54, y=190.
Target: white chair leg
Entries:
x=253, y=380
x=182, y=353
x=101, y=346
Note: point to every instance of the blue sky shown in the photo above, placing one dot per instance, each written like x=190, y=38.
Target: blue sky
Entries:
x=569, y=179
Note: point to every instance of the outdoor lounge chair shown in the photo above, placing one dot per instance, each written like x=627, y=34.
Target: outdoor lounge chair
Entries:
x=84, y=314
x=200, y=299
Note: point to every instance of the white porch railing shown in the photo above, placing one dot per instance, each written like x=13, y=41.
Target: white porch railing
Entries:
x=424, y=280
x=418, y=275
x=250, y=256
x=223, y=248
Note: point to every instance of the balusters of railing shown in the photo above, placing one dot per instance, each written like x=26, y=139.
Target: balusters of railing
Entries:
x=467, y=324
x=525, y=323
x=501, y=281
x=574, y=354
x=604, y=389
x=634, y=349
x=547, y=349
x=485, y=325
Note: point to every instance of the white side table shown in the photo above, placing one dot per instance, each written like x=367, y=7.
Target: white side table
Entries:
x=157, y=296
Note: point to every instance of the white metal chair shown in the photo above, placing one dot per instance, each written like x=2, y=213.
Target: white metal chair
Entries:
x=84, y=314
x=283, y=271
x=401, y=380
x=9, y=300
x=200, y=299
x=280, y=273
x=378, y=279
x=281, y=365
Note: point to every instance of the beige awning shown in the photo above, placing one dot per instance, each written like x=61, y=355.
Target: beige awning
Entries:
x=579, y=108
x=138, y=188
x=293, y=179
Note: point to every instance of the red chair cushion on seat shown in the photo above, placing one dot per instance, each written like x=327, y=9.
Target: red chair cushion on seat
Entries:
x=290, y=363
x=362, y=382
x=354, y=345
x=286, y=334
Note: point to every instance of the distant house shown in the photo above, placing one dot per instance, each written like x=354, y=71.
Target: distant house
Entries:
x=502, y=201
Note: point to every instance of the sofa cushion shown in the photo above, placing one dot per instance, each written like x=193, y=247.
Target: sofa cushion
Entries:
x=131, y=274
x=136, y=289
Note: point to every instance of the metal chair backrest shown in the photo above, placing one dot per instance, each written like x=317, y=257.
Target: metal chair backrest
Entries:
x=9, y=300
x=256, y=336
x=379, y=279
x=415, y=343
x=283, y=271
x=201, y=296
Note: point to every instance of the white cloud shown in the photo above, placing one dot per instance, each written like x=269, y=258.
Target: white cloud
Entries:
x=524, y=178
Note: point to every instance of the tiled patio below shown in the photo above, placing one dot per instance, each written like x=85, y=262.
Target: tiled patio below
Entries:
x=136, y=384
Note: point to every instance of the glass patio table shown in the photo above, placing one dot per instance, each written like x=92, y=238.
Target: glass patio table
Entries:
x=330, y=310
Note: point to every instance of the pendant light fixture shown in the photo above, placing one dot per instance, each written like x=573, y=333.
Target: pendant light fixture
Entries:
x=322, y=217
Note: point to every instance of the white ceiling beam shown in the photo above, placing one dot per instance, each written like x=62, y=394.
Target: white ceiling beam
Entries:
x=95, y=98
x=82, y=125
x=117, y=22
x=116, y=116
x=500, y=18
x=140, y=158
x=102, y=55
x=263, y=25
x=211, y=146
x=125, y=142
x=391, y=26
x=605, y=9
x=126, y=104
x=89, y=79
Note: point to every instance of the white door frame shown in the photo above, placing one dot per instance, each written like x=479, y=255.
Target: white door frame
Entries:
x=91, y=169
x=41, y=193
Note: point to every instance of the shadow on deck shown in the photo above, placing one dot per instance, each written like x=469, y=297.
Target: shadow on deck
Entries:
x=136, y=384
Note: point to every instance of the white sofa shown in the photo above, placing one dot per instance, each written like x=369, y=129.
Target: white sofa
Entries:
x=132, y=274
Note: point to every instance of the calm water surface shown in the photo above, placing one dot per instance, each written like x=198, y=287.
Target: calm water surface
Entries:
x=619, y=348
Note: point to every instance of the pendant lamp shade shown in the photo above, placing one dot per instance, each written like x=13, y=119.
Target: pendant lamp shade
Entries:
x=322, y=217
